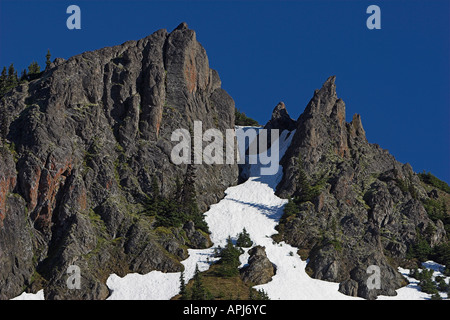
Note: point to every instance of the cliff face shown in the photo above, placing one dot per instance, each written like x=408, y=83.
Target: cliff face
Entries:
x=355, y=205
x=86, y=148
x=86, y=176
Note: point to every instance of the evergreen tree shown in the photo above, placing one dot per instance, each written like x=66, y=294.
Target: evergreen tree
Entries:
x=414, y=273
x=436, y=296
x=290, y=209
x=8, y=79
x=441, y=284
x=244, y=240
x=306, y=192
x=3, y=76
x=183, y=290
x=229, y=259
x=4, y=119
x=257, y=294
x=240, y=119
x=198, y=291
x=262, y=295
x=23, y=75
x=3, y=79
x=426, y=283
x=34, y=69
x=47, y=61
x=12, y=79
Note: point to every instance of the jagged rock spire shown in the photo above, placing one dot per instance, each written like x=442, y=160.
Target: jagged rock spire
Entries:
x=182, y=26
x=280, y=119
x=324, y=98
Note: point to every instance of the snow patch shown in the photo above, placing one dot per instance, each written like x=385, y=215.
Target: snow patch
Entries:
x=254, y=206
x=31, y=296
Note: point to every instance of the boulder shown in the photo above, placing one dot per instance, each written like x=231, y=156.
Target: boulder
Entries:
x=259, y=269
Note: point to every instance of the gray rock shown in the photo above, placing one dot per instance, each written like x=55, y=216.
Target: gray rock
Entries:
x=259, y=269
x=197, y=239
x=363, y=212
x=91, y=135
x=280, y=119
x=349, y=287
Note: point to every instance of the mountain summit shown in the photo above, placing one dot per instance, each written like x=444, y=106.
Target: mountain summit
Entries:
x=86, y=180
x=85, y=170
x=353, y=205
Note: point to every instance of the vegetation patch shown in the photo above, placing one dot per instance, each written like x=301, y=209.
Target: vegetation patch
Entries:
x=240, y=119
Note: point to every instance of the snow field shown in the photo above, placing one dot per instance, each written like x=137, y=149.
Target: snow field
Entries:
x=254, y=206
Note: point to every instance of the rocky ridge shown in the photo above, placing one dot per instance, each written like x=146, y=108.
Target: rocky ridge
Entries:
x=85, y=154
x=85, y=170
x=353, y=205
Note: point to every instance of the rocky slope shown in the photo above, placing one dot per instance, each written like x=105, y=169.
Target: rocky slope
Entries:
x=353, y=205
x=85, y=158
x=86, y=177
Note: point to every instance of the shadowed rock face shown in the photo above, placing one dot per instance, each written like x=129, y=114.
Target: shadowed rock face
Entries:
x=84, y=143
x=361, y=216
x=280, y=119
x=259, y=269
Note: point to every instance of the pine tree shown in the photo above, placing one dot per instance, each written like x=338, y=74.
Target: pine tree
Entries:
x=47, y=61
x=11, y=80
x=244, y=240
x=426, y=283
x=290, y=209
x=198, y=291
x=436, y=296
x=34, y=69
x=3, y=78
x=23, y=76
x=183, y=290
x=262, y=295
x=257, y=294
x=229, y=259
x=4, y=119
x=306, y=192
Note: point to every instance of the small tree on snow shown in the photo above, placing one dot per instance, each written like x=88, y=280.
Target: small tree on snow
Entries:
x=244, y=240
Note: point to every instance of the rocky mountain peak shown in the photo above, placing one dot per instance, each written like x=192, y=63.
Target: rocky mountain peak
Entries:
x=280, y=119
x=86, y=176
x=357, y=129
x=335, y=176
x=324, y=99
x=182, y=26
x=89, y=161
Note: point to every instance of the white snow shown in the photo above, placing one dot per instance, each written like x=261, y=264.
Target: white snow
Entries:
x=31, y=296
x=157, y=285
x=412, y=290
x=254, y=206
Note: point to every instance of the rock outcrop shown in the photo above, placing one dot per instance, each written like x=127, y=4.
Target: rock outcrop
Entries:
x=366, y=208
x=87, y=151
x=259, y=269
x=280, y=119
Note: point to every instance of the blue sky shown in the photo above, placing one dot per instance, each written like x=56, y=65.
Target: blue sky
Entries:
x=397, y=78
